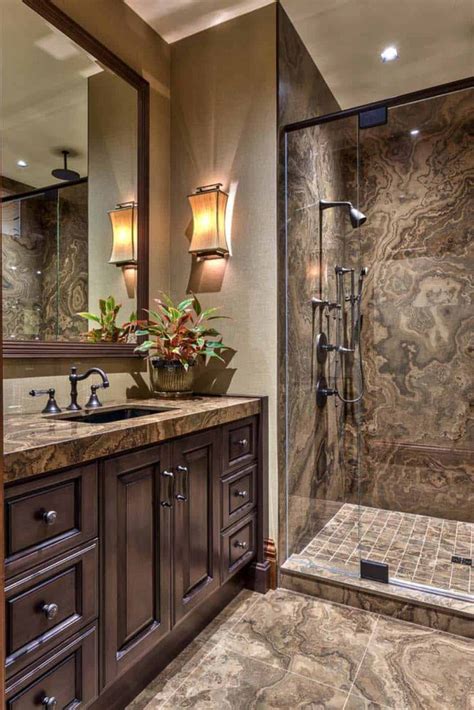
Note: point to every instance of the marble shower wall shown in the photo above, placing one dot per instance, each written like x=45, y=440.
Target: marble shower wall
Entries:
x=45, y=279
x=308, y=454
x=418, y=244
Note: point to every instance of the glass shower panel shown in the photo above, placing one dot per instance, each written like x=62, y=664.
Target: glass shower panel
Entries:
x=321, y=165
x=416, y=481
x=29, y=235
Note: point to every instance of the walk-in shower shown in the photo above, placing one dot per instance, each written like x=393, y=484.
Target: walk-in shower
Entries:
x=378, y=479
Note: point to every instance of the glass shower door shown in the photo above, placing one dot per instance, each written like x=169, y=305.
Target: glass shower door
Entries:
x=416, y=479
x=321, y=165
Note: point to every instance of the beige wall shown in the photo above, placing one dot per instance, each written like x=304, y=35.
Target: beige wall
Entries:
x=114, y=24
x=124, y=33
x=112, y=171
x=223, y=89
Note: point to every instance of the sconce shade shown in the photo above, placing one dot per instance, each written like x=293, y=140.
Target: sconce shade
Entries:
x=209, y=238
x=124, y=219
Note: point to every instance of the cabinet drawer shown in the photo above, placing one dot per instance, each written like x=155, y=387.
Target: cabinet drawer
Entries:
x=238, y=546
x=46, y=517
x=69, y=676
x=240, y=443
x=49, y=604
x=239, y=495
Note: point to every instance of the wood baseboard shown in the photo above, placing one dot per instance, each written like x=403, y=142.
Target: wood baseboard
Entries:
x=271, y=557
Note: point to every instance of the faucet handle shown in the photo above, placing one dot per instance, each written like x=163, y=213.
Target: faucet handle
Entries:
x=93, y=401
x=51, y=405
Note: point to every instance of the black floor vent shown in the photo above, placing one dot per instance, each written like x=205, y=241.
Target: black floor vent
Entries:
x=377, y=571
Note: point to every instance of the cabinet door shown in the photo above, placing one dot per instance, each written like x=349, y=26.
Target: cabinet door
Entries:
x=196, y=462
x=136, y=556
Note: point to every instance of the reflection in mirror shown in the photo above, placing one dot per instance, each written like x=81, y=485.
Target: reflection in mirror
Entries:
x=69, y=157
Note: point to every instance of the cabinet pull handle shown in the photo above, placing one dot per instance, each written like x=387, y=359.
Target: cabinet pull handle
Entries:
x=242, y=442
x=166, y=503
x=50, y=611
x=243, y=545
x=50, y=517
x=184, y=495
x=49, y=702
x=241, y=494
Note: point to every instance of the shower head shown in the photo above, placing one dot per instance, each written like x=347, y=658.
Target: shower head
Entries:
x=64, y=173
x=356, y=216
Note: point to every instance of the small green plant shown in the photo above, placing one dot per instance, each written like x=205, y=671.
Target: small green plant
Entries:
x=108, y=330
x=179, y=334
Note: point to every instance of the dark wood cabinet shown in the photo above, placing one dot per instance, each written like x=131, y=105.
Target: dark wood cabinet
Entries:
x=46, y=605
x=47, y=516
x=66, y=678
x=196, y=466
x=136, y=554
x=115, y=565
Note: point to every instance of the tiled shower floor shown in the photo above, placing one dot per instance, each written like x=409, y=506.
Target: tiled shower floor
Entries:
x=417, y=548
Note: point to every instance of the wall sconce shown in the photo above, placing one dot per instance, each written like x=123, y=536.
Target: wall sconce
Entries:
x=124, y=219
x=208, y=204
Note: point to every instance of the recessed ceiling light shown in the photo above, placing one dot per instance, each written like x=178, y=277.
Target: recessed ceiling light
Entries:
x=414, y=131
x=389, y=54
x=22, y=163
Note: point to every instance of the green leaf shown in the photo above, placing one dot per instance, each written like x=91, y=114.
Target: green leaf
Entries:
x=89, y=316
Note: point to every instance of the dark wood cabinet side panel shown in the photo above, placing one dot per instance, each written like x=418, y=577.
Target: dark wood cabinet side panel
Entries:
x=136, y=561
x=198, y=521
x=136, y=544
x=197, y=463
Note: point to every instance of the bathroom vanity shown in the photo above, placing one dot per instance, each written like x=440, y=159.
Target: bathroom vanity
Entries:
x=123, y=540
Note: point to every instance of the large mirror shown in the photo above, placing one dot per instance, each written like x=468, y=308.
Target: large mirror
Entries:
x=73, y=185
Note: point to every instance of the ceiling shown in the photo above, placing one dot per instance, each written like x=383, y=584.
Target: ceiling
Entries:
x=435, y=38
x=175, y=19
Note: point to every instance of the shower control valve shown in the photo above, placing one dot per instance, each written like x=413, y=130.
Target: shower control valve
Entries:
x=319, y=303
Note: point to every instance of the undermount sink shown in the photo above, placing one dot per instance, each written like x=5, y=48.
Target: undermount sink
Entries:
x=106, y=416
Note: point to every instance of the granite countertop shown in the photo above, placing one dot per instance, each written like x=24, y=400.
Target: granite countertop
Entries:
x=37, y=443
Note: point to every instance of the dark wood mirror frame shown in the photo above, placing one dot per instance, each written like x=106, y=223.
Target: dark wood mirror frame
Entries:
x=35, y=349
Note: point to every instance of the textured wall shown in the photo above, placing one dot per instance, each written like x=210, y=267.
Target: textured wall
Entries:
x=223, y=93
x=417, y=242
x=112, y=150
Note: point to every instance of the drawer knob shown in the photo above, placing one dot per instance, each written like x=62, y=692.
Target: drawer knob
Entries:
x=242, y=442
x=50, y=517
x=241, y=494
x=50, y=611
x=243, y=545
x=49, y=702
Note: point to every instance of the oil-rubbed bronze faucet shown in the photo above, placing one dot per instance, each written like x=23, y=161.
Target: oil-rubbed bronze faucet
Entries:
x=52, y=405
x=74, y=378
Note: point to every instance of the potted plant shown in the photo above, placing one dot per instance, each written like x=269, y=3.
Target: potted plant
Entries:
x=108, y=330
x=178, y=336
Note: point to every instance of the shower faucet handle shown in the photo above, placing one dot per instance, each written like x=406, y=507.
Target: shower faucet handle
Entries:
x=322, y=303
x=319, y=303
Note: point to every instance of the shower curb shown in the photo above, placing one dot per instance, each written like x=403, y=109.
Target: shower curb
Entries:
x=425, y=612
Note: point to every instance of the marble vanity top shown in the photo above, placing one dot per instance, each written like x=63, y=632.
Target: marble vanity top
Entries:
x=36, y=443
